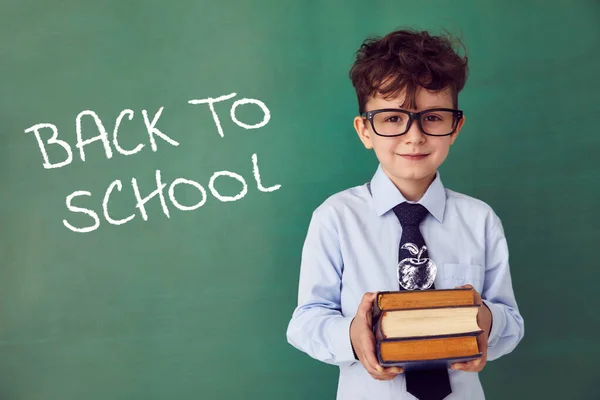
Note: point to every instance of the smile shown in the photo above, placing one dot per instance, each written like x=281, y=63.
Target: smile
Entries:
x=413, y=157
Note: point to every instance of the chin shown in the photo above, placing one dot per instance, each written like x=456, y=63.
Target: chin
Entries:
x=408, y=171
x=416, y=176
x=413, y=174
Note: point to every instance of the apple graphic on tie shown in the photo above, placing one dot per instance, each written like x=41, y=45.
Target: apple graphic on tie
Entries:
x=416, y=273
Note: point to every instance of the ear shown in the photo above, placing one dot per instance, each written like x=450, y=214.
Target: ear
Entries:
x=361, y=125
x=458, y=128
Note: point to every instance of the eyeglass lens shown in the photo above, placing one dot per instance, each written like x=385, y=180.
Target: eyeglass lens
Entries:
x=395, y=123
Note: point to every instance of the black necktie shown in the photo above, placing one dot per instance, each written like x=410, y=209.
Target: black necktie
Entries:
x=416, y=272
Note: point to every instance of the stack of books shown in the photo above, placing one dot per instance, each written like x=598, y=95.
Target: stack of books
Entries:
x=426, y=329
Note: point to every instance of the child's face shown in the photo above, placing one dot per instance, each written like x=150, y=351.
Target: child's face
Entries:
x=394, y=152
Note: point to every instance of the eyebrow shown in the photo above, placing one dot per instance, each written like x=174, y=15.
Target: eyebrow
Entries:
x=428, y=108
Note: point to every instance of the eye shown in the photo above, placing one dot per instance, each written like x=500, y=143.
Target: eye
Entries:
x=431, y=118
x=392, y=118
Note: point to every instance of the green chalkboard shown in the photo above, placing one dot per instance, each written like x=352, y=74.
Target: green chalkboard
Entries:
x=237, y=118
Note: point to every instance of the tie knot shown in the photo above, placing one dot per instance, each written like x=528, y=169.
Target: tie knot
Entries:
x=410, y=214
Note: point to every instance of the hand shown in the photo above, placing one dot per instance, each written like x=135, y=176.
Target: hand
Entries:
x=363, y=341
x=484, y=320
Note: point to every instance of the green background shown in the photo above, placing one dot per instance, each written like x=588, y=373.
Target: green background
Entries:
x=196, y=305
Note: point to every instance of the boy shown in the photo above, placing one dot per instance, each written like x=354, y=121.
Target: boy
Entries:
x=407, y=85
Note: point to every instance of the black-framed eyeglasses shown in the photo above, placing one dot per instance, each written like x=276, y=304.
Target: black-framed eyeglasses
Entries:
x=391, y=122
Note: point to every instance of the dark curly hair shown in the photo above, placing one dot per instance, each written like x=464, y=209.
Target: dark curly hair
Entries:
x=405, y=60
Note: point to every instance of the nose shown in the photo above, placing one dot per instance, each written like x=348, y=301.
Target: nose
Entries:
x=414, y=134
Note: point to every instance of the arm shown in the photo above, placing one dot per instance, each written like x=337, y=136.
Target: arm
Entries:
x=508, y=327
x=317, y=326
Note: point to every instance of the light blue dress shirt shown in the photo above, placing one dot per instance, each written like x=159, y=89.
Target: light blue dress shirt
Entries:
x=352, y=247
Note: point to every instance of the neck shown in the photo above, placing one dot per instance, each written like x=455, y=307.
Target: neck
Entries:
x=413, y=189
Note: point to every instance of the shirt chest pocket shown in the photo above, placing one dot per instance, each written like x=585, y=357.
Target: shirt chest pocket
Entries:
x=451, y=275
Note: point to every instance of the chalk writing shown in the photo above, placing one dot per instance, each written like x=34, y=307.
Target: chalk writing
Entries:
x=153, y=131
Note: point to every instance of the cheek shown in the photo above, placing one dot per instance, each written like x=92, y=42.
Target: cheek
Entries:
x=442, y=151
x=385, y=152
x=384, y=145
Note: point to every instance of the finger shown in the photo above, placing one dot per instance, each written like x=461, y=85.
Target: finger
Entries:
x=463, y=366
x=469, y=366
x=482, y=343
x=384, y=377
x=380, y=377
x=368, y=353
x=377, y=370
x=387, y=373
x=467, y=286
x=474, y=364
x=392, y=371
x=476, y=293
x=459, y=366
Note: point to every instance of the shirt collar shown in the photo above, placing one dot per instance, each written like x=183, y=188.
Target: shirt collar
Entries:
x=386, y=196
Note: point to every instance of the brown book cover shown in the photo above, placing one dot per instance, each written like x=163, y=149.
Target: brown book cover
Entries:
x=427, y=352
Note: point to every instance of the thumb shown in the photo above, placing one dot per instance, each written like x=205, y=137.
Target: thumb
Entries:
x=365, y=308
x=366, y=305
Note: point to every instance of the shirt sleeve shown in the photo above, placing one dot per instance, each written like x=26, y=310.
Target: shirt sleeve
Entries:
x=507, y=323
x=318, y=326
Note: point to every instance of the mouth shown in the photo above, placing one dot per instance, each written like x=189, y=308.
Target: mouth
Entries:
x=413, y=157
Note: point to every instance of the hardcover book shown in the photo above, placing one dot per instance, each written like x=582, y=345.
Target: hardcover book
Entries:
x=426, y=329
